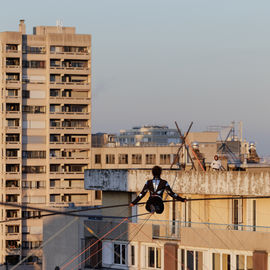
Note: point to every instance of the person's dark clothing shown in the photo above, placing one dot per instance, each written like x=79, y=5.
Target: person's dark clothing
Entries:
x=156, y=188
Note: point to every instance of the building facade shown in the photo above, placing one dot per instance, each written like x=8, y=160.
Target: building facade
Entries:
x=46, y=127
x=148, y=136
x=214, y=230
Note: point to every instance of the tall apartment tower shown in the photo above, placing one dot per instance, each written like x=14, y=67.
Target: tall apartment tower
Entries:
x=46, y=127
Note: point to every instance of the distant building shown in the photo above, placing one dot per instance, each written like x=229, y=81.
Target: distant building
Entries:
x=103, y=139
x=148, y=136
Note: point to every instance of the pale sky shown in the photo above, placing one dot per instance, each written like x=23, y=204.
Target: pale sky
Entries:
x=157, y=61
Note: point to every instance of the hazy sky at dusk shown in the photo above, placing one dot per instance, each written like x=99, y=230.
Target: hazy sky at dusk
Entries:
x=157, y=61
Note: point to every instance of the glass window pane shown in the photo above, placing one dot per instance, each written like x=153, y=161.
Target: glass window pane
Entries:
x=240, y=262
x=182, y=259
x=151, y=255
x=249, y=263
x=199, y=260
x=226, y=262
x=123, y=254
x=190, y=259
x=216, y=261
x=132, y=255
x=116, y=253
x=158, y=258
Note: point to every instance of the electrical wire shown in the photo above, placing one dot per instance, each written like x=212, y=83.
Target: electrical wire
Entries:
x=111, y=230
x=71, y=213
x=45, y=243
x=136, y=233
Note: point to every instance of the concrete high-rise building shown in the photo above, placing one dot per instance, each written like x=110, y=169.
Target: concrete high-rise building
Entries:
x=46, y=127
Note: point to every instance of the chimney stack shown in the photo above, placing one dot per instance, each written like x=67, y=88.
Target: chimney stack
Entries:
x=22, y=27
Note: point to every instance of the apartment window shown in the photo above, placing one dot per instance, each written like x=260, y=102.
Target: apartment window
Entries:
x=12, y=198
x=120, y=254
x=123, y=159
x=13, y=229
x=33, y=184
x=54, y=92
x=98, y=194
x=254, y=215
x=12, y=244
x=34, y=169
x=11, y=47
x=132, y=254
x=244, y=262
x=12, y=168
x=55, y=123
x=12, y=137
x=33, y=64
x=222, y=261
x=154, y=257
x=12, y=152
x=13, y=77
x=34, y=154
x=165, y=159
x=34, y=50
x=12, y=107
x=110, y=159
x=192, y=259
x=54, y=137
x=34, y=109
x=136, y=159
x=54, y=168
x=27, y=214
x=13, y=122
x=12, y=92
x=12, y=213
x=12, y=183
x=216, y=261
x=237, y=213
x=150, y=159
x=97, y=159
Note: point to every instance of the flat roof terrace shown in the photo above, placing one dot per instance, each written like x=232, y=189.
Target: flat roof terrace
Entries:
x=204, y=183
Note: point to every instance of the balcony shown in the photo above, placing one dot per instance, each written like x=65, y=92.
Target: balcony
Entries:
x=12, y=139
x=12, y=198
x=69, y=96
x=33, y=169
x=12, y=168
x=13, y=155
x=12, y=232
x=12, y=109
x=13, y=246
x=13, y=78
x=13, y=64
x=12, y=48
x=33, y=50
x=10, y=214
x=56, y=79
x=68, y=124
x=34, y=64
x=12, y=94
x=69, y=50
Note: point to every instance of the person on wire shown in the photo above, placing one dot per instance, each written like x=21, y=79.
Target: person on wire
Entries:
x=156, y=188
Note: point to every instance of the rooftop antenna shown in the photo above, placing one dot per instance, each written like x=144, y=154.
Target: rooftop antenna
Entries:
x=186, y=145
x=59, y=24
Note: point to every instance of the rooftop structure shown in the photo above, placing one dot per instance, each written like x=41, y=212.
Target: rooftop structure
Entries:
x=148, y=136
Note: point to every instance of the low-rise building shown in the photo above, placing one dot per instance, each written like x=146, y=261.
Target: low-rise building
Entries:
x=204, y=233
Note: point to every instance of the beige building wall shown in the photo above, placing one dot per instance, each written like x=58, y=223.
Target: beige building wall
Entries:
x=46, y=127
x=233, y=229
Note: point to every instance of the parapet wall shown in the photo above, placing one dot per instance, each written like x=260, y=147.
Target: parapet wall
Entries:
x=207, y=183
